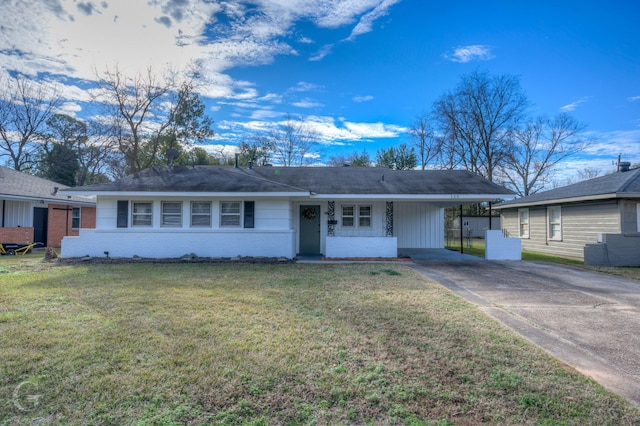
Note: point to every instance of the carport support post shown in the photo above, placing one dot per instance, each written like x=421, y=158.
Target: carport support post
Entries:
x=490, y=217
x=461, y=236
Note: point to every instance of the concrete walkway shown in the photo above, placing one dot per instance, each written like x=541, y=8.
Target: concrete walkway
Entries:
x=587, y=319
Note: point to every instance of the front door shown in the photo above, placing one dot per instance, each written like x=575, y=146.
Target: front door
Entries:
x=40, y=220
x=310, y=230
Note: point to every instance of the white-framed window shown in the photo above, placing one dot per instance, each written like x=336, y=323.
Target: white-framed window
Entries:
x=75, y=218
x=141, y=213
x=364, y=216
x=171, y=214
x=348, y=216
x=230, y=213
x=356, y=216
x=554, y=216
x=200, y=214
x=523, y=223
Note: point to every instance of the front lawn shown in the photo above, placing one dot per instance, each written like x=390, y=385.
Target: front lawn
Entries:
x=269, y=344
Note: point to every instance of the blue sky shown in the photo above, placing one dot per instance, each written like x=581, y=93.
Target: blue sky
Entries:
x=358, y=71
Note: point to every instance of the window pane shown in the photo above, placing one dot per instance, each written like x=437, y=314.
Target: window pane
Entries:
x=364, y=221
x=141, y=220
x=172, y=208
x=347, y=221
x=200, y=220
x=201, y=214
x=75, y=218
x=171, y=213
x=230, y=220
x=142, y=208
x=347, y=210
x=201, y=208
x=141, y=214
x=231, y=208
x=365, y=210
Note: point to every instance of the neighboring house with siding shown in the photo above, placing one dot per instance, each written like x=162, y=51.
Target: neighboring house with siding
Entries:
x=600, y=215
x=217, y=211
x=33, y=209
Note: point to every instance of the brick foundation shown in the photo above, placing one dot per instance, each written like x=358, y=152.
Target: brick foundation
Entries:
x=20, y=235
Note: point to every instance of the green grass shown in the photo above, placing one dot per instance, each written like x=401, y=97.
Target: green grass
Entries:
x=269, y=344
x=477, y=248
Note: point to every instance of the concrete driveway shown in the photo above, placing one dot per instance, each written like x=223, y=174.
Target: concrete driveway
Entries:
x=587, y=319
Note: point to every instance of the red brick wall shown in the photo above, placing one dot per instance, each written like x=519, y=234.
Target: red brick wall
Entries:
x=57, y=228
x=21, y=235
x=88, y=217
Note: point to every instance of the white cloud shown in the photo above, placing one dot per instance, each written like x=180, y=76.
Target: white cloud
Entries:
x=365, y=25
x=329, y=131
x=633, y=98
x=320, y=54
x=74, y=38
x=307, y=103
x=575, y=104
x=474, y=52
x=303, y=86
x=363, y=98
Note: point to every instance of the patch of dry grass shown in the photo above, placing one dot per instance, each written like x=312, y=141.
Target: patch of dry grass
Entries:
x=270, y=344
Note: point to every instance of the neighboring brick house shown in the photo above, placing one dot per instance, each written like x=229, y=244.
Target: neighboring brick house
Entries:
x=32, y=209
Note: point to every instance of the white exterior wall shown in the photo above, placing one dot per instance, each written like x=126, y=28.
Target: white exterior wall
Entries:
x=345, y=247
x=271, y=237
x=500, y=248
x=418, y=225
x=179, y=242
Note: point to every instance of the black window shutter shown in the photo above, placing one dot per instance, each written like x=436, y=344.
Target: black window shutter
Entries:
x=123, y=213
x=249, y=214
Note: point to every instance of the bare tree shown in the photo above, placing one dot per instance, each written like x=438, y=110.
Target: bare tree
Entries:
x=25, y=107
x=424, y=139
x=291, y=141
x=136, y=106
x=537, y=149
x=477, y=119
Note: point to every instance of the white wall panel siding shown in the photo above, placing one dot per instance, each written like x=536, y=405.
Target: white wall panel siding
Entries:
x=17, y=213
x=154, y=243
x=378, y=220
x=418, y=225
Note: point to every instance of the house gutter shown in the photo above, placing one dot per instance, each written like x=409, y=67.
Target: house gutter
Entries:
x=49, y=200
x=570, y=200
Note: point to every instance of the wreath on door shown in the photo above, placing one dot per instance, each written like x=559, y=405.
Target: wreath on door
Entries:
x=309, y=213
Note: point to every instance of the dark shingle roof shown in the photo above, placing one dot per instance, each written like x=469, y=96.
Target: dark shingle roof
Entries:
x=14, y=184
x=191, y=179
x=319, y=180
x=375, y=180
x=615, y=185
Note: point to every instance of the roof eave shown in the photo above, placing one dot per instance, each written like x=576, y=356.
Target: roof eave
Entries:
x=153, y=194
x=416, y=197
x=615, y=195
x=48, y=200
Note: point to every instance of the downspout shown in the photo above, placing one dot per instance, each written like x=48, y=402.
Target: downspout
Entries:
x=3, y=211
x=546, y=225
x=461, y=236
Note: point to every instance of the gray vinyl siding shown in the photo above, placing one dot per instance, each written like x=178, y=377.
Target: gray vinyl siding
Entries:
x=581, y=224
